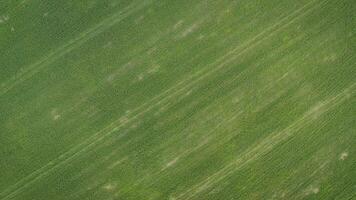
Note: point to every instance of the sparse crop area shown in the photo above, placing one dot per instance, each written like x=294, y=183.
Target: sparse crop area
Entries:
x=177, y=99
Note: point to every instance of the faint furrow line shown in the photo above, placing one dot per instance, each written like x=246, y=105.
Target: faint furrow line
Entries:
x=266, y=145
x=245, y=47
x=97, y=137
x=224, y=123
x=187, y=152
x=200, y=75
x=293, y=191
x=208, y=138
x=69, y=46
x=262, y=36
x=72, y=44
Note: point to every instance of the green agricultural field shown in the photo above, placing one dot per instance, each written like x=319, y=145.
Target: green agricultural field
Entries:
x=177, y=99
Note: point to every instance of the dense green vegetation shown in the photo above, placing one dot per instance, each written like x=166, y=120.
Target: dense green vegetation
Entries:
x=154, y=99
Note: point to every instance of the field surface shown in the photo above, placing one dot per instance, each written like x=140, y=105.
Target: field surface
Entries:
x=177, y=99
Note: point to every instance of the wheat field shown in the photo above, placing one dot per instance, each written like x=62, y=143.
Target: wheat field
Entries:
x=177, y=99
